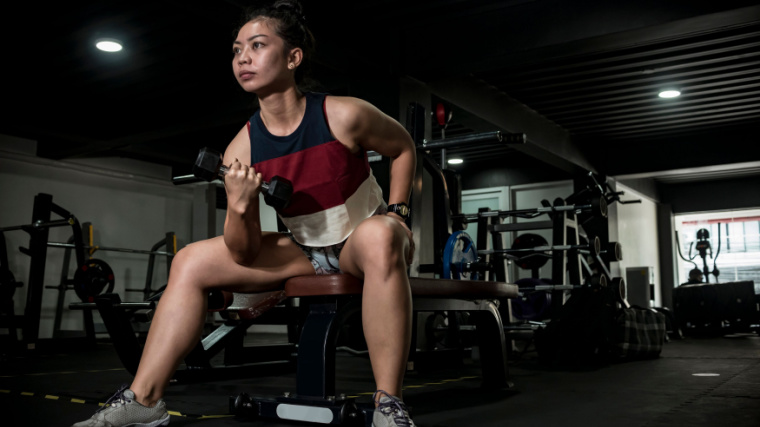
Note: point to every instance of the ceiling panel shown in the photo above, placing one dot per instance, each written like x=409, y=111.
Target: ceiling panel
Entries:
x=593, y=68
x=614, y=94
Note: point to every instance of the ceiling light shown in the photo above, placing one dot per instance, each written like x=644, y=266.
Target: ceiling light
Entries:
x=706, y=374
x=108, y=45
x=455, y=161
x=670, y=93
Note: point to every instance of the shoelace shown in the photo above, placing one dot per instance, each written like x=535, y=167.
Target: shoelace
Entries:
x=395, y=408
x=116, y=400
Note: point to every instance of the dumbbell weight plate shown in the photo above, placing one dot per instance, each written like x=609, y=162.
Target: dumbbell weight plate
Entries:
x=244, y=406
x=351, y=415
x=208, y=166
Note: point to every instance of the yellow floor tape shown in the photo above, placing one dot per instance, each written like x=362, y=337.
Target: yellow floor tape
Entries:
x=201, y=417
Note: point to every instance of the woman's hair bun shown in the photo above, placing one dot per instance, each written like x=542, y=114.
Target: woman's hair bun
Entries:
x=292, y=6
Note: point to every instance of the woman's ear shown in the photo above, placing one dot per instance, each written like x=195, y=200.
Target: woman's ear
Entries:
x=295, y=57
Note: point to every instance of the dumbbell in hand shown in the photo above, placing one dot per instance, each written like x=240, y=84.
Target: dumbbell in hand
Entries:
x=208, y=167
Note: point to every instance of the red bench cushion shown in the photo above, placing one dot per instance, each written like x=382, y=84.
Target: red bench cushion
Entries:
x=251, y=305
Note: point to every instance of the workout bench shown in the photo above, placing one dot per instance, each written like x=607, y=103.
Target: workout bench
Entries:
x=328, y=301
x=331, y=300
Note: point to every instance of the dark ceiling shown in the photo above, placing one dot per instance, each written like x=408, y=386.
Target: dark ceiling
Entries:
x=580, y=78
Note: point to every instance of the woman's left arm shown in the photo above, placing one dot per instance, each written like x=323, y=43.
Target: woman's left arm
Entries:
x=358, y=123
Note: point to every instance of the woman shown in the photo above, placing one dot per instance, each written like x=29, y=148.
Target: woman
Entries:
x=337, y=218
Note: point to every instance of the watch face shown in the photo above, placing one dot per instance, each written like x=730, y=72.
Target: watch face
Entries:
x=402, y=210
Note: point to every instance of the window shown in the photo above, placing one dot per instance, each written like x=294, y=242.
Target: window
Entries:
x=731, y=244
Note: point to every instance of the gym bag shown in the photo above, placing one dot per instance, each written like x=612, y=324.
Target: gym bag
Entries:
x=639, y=333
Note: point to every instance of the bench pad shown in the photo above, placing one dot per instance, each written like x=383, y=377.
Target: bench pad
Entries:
x=251, y=305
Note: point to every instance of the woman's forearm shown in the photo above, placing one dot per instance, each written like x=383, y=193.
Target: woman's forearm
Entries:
x=242, y=232
x=401, y=176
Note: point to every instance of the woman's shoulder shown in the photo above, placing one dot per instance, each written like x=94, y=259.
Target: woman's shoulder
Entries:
x=348, y=111
x=345, y=102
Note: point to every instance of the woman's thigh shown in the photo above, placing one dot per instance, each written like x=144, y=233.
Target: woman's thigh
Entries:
x=208, y=264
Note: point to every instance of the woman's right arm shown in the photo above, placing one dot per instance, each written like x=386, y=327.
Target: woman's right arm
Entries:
x=242, y=226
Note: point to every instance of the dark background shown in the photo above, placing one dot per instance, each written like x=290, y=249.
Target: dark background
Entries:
x=580, y=78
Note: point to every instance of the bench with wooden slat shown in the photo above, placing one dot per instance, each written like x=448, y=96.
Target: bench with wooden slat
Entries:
x=251, y=305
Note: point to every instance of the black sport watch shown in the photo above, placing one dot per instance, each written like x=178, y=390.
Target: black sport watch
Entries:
x=400, y=209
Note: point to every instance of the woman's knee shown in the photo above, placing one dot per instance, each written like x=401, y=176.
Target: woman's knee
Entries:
x=382, y=241
x=190, y=265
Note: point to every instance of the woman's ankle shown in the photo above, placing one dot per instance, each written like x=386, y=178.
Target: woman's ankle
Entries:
x=145, y=397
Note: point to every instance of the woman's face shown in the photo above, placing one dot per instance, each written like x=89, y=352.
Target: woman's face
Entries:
x=259, y=60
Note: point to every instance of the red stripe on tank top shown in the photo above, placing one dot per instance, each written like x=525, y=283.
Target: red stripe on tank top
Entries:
x=323, y=177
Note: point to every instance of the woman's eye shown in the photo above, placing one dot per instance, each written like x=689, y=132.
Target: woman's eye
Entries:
x=236, y=50
x=257, y=45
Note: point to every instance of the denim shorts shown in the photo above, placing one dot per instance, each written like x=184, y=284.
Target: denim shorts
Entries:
x=326, y=259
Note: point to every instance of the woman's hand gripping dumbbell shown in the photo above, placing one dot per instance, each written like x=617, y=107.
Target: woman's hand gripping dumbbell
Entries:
x=208, y=167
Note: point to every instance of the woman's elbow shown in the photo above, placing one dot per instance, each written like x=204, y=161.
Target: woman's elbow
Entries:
x=244, y=258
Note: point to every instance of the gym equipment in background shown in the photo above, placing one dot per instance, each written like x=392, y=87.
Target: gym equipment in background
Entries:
x=38, y=231
x=702, y=246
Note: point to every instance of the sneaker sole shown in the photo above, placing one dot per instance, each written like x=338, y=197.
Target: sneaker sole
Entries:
x=161, y=422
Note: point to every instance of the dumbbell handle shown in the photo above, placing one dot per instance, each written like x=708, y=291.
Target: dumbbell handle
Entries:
x=224, y=169
x=187, y=179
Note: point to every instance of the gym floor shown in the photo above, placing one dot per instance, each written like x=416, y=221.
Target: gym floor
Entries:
x=60, y=388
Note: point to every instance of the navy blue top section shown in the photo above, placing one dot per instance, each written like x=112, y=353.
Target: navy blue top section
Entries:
x=312, y=131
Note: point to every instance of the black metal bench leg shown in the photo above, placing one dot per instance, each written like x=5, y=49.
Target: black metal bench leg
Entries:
x=315, y=399
x=316, y=352
x=493, y=346
x=120, y=330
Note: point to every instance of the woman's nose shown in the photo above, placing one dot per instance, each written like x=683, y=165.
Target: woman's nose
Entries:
x=243, y=57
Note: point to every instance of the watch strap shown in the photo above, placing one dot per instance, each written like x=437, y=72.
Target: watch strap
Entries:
x=400, y=209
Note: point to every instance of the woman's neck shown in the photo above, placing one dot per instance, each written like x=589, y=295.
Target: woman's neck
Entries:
x=282, y=112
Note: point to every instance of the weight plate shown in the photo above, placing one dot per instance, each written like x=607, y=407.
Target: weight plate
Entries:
x=598, y=281
x=597, y=249
x=614, y=251
x=599, y=207
x=92, y=278
x=530, y=260
x=618, y=289
x=459, y=250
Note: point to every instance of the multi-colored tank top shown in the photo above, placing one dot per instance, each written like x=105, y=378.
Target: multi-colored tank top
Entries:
x=333, y=189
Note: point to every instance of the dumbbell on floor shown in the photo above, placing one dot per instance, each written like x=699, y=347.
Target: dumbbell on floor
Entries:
x=208, y=167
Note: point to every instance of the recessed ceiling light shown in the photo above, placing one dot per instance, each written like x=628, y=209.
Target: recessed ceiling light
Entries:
x=706, y=374
x=108, y=45
x=455, y=161
x=670, y=93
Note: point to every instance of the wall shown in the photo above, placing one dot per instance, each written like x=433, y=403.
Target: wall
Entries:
x=715, y=195
x=131, y=204
x=637, y=232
